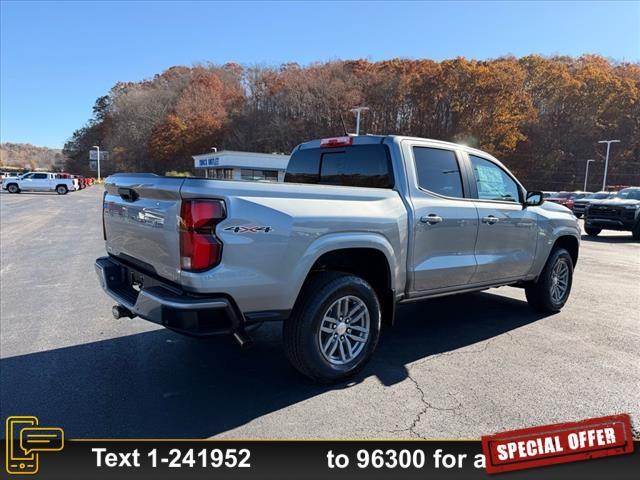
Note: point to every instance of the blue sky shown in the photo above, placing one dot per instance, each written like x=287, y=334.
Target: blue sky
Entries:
x=56, y=58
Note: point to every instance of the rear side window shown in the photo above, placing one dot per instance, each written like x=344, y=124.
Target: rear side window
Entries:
x=356, y=166
x=438, y=171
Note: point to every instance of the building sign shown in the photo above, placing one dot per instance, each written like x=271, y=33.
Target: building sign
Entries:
x=93, y=155
x=208, y=162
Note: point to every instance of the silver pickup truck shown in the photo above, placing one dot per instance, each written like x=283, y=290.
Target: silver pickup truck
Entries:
x=359, y=225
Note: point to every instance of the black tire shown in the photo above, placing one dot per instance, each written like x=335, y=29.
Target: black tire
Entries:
x=539, y=293
x=635, y=232
x=592, y=231
x=13, y=188
x=301, y=330
x=62, y=190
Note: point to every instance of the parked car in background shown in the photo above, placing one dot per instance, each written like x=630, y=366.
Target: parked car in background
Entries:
x=580, y=204
x=41, y=182
x=81, y=182
x=620, y=212
x=68, y=175
x=359, y=225
x=546, y=195
x=567, y=199
x=8, y=175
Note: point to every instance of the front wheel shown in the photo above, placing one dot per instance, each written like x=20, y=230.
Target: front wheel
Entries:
x=13, y=188
x=334, y=327
x=551, y=291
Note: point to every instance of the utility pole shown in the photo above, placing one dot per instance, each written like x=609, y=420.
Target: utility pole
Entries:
x=357, y=111
x=586, y=174
x=98, y=148
x=606, y=161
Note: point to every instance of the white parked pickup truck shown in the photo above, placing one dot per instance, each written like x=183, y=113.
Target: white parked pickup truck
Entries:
x=41, y=182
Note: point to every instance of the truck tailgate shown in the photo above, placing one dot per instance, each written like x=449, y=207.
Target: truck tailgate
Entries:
x=141, y=214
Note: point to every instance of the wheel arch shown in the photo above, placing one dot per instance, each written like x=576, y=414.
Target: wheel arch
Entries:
x=571, y=244
x=369, y=256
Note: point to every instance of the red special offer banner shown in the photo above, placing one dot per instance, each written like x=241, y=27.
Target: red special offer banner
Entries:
x=559, y=443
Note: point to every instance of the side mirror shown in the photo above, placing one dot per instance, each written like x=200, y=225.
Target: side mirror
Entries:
x=534, y=198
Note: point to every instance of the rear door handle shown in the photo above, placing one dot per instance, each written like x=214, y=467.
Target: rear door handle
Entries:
x=490, y=219
x=431, y=219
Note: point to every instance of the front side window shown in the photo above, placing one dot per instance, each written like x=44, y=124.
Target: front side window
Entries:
x=39, y=176
x=438, y=171
x=28, y=175
x=493, y=182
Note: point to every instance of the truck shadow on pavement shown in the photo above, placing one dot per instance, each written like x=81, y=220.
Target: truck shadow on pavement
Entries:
x=160, y=384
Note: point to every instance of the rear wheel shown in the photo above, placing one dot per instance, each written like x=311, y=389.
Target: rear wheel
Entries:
x=334, y=327
x=62, y=189
x=592, y=231
x=13, y=188
x=551, y=291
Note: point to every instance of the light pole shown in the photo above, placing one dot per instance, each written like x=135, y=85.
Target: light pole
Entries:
x=98, y=156
x=606, y=161
x=586, y=174
x=357, y=111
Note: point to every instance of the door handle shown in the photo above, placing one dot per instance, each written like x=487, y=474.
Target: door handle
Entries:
x=431, y=219
x=127, y=194
x=490, y=219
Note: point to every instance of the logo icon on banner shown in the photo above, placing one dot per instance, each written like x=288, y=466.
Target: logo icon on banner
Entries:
x=24, y=442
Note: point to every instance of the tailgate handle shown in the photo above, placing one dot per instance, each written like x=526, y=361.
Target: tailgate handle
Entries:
x=128, y=194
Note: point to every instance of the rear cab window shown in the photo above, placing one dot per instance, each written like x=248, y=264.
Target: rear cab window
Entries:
x=355, y=166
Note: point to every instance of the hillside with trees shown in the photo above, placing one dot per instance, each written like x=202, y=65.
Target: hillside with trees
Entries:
x=25, y=155
x=541, y=116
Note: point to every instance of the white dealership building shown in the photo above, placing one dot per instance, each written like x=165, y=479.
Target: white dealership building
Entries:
x=231, y=165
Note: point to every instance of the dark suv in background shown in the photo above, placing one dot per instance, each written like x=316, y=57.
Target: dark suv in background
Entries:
x=580, y=204
x=621, y=212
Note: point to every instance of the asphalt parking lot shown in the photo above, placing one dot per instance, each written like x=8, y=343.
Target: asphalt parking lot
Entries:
x=456, y=367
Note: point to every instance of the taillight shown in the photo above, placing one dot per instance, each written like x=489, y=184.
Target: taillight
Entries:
x=336, y=142
x=200, y=249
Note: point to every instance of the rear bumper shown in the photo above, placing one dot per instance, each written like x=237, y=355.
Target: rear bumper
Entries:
x=166, y=305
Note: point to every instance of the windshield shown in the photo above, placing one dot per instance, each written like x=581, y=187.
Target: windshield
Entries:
x=629, y=194
x=597, y=196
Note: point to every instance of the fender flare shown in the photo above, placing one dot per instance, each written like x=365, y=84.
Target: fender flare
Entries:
x=344, y=240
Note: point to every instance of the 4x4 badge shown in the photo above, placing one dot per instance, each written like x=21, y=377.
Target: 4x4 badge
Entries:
x=248, y=229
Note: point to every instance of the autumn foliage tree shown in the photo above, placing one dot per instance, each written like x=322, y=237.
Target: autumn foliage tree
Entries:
x=542, y=116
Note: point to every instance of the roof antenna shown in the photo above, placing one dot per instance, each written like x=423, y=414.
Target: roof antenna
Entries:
x=346, y=134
